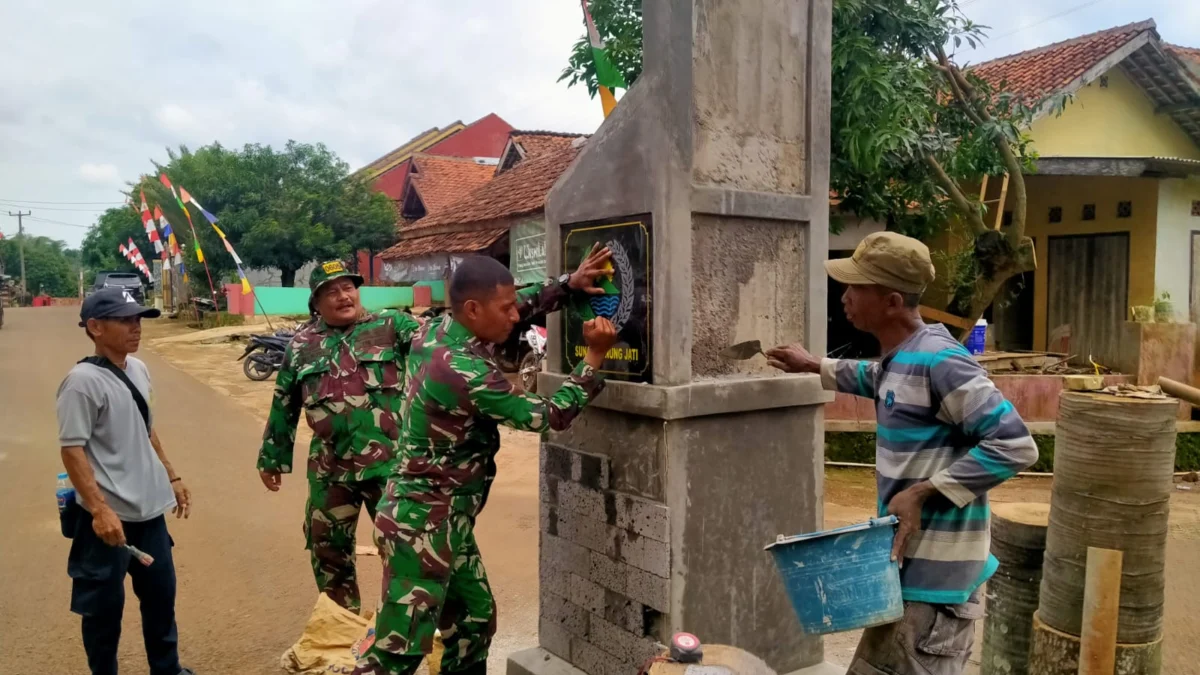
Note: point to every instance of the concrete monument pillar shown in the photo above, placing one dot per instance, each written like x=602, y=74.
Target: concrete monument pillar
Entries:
x=711, y=177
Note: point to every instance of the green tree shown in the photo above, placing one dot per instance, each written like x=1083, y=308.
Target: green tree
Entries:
x=911, y=131
x=48, y=265
x=279, y=208
x=100, y=250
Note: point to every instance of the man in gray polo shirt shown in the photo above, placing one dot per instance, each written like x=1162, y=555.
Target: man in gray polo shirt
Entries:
x=125, y=485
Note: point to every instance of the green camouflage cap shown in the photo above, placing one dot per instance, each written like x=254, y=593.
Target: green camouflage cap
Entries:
x=329, y=271
x=323, y=274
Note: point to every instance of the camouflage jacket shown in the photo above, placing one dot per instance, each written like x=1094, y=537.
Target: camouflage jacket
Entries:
x=455, y=399
x=348, y=382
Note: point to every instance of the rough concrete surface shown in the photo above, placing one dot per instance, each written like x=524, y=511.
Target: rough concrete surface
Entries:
x=245, y=585
x=749, y=284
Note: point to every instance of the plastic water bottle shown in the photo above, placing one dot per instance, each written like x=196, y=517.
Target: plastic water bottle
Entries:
x=977, y=340
x=64, y=491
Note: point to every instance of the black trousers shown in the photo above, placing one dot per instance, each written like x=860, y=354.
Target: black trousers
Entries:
x=98, y=572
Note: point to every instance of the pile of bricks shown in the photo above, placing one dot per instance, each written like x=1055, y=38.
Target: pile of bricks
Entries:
x=605, y=566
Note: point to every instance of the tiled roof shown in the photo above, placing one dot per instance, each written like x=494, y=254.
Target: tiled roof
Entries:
x=442, y=181
x=418, y=143
x=1186, y=53
x=537, y=143
x=1037, y=73
x=458, y=242
x=519, y=191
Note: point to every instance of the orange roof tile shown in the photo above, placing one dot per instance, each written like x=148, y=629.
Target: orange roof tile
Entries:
x=1040, y=72
x=458, y=242
x=537, y=143
x=442, y=181
x=518, y=191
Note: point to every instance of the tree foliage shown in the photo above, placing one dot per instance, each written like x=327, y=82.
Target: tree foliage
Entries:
x=278, y=208
x=912, y=133
x=50, y=267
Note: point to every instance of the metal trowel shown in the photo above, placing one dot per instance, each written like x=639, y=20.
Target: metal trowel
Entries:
x=743, y=351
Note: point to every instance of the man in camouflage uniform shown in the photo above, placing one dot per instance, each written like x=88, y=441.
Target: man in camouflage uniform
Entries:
x=344, y=370
x=456, y=398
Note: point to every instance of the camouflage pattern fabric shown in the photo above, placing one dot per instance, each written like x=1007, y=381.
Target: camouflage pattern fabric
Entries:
x=348, y=382
x=330, y=523
x=455, y=399
x=433, y=580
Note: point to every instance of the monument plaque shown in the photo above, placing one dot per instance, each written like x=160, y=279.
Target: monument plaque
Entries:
x=627, y=299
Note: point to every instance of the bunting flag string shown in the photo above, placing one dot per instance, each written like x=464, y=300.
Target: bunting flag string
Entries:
x=151, y=230
x=173, y=245
x=195, y=239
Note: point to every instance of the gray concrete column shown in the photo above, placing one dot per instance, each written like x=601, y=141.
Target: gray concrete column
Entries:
x=657, y=503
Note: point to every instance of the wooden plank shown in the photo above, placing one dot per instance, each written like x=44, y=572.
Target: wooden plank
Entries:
x=945, y=317
x=1101, y=606
x=1000, y=204
x=983, y=188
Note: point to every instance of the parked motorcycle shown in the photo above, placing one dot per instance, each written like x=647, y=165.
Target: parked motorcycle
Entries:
x=531, y=363
x=264, y=354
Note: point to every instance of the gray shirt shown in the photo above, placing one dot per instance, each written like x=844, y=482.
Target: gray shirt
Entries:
x=96, y=412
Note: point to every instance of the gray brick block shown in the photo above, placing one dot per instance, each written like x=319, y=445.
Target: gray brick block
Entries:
x=586, y=594
x=556, y=460
x=644, y=553
x=548, y=488
x=643, y=516
x=553, y=580
x=590, y=470
x=554, y=638
x=648, y=589
x=620, y=643
x=564, y=614
x=595, y=661
x=582, y=500
x=625, y=613
x=587, y=532
x=609, y=573
x=564, y=555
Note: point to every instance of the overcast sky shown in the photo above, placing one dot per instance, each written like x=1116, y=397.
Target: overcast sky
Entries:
x=88, y=94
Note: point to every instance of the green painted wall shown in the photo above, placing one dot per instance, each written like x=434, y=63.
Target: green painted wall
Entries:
x=295, y=300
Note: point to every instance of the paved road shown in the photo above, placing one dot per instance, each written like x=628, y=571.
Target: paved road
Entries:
x=245, y=589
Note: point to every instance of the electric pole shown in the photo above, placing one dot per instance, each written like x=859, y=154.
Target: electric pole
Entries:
x=21, y=244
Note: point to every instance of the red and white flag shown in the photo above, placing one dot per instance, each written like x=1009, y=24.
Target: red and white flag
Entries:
x=135, y=257
x=151, y=230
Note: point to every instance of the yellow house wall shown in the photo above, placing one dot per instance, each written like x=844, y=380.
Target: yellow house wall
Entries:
x=1071, y=193
x=1117, y=121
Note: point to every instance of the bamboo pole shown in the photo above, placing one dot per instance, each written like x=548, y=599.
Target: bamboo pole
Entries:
x=1101, y=607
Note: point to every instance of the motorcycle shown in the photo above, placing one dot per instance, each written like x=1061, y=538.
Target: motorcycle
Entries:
x=264, y=354
x=531, y=363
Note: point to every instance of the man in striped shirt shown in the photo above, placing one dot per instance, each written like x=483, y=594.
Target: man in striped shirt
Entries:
x=945, y=436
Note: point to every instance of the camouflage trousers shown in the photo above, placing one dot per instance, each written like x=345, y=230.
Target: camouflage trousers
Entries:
x=330, y=523
x=433, y=580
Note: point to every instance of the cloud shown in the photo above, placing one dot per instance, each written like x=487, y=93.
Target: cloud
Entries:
x=100, y=174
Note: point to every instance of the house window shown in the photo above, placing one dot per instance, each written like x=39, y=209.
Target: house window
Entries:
x=1089, y=212
x=1124, y=209
x=1196, y=208
x=1056, y=214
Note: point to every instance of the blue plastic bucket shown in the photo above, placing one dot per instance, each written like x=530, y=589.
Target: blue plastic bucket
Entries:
x=843, y=579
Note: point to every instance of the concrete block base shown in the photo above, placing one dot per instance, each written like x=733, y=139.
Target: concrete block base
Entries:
x=538, y=661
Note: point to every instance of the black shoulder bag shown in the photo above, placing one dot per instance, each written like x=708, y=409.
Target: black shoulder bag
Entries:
x=138, y=399
x=70, y=514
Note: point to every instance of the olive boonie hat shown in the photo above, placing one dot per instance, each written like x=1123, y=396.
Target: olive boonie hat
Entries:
x=329, y=271
x=887, y=259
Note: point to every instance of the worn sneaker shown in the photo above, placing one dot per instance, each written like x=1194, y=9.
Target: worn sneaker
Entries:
x=187, y=671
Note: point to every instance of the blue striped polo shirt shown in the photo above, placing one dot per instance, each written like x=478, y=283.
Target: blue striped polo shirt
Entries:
x=940, y=418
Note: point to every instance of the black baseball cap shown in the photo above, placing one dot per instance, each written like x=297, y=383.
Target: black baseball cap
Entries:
x=114, y=303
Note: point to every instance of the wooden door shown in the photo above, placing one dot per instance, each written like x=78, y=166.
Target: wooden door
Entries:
x=1088, y=294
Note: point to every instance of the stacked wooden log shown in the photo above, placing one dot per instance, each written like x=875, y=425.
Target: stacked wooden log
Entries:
x=1113, y=461
x=1018, y=540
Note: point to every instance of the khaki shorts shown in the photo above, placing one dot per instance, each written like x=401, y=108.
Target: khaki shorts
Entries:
x=929, y=640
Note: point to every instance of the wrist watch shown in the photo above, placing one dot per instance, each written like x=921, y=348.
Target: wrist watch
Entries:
x=564, y=282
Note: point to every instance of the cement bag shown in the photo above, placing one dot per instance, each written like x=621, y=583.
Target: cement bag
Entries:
x=325, y=648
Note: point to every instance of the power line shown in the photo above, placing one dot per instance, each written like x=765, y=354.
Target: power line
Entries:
x=30, y=201
x=1031, y=24
x=57, y=222
x=51, y=208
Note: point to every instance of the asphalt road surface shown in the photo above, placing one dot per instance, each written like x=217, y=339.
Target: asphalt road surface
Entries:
x=245, y=585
